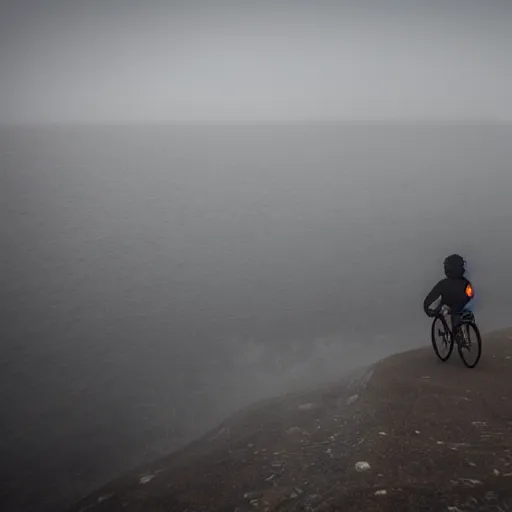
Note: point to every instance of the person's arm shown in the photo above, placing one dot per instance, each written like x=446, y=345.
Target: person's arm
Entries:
x=434, y=294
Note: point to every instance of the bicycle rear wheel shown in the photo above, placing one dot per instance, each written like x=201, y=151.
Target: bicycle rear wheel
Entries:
x=442, y=340
x=470, y=344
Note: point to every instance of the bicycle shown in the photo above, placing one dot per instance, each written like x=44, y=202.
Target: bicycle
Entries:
x=466, y=344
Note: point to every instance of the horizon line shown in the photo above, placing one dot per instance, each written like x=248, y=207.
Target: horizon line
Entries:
x=260, y=122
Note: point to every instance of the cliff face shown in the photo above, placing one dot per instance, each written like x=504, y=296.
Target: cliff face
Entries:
x=409, y=433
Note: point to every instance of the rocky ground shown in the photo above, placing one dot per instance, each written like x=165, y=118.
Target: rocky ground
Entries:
x=409, y=433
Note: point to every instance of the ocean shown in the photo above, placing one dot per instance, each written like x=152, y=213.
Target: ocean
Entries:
x=157, y=278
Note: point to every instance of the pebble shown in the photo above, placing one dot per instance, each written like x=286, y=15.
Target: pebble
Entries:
x=146, y=479
x=253, y=495
x=362, y=466
x=296, y=493
x=101, y=499
x=468, y=482
x=381, y=492
x=352, y=399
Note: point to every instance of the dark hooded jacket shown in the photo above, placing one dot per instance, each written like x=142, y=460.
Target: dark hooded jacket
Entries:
x=455, y=290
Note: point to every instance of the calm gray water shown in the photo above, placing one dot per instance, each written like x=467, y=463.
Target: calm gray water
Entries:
x=155, y=279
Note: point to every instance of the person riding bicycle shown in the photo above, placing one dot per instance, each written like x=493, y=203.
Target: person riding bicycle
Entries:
x=455, y=291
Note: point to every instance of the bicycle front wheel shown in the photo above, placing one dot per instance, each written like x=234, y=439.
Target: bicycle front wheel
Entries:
x=442, y=340
x=470, y=344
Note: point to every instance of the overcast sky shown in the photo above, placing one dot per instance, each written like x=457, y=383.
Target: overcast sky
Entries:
x=121, y=60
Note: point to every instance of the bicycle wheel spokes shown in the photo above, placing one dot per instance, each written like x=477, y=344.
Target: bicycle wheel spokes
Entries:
x=470, y=345
x=442, y=341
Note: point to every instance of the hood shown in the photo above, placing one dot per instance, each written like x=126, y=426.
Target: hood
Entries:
x=454, y=273
x=454, y=267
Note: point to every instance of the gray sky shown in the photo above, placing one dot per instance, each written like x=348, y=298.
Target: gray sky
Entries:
x=122, y=60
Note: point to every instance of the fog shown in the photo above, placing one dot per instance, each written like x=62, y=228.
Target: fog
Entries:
x=125, y=61
x=157, y=279
x=196, y=212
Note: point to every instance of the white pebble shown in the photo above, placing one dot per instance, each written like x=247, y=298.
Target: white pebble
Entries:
x=362, y=466
x=352, y=399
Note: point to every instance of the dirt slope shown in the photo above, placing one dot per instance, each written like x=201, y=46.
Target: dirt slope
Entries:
x=432, y=436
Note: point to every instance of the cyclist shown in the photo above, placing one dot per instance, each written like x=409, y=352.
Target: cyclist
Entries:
x=455, y=291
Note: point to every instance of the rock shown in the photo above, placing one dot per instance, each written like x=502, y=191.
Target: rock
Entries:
x=146, y=479
x=381, y=492
x=106, y=497
x=253, y=495
x=296, y=493
x=468, y=482
x=362, y=466
x=352, y=399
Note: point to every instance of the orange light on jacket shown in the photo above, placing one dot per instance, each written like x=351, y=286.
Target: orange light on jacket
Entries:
x=469, y=290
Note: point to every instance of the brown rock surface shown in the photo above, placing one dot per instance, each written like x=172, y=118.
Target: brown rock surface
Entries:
x=433, y=436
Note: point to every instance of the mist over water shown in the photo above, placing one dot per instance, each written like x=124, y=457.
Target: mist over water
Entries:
x=155, y=279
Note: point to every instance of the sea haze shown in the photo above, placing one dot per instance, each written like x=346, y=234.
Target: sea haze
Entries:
x=156, y=279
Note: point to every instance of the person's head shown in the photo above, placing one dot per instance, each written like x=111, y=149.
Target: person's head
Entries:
x=454, y=266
